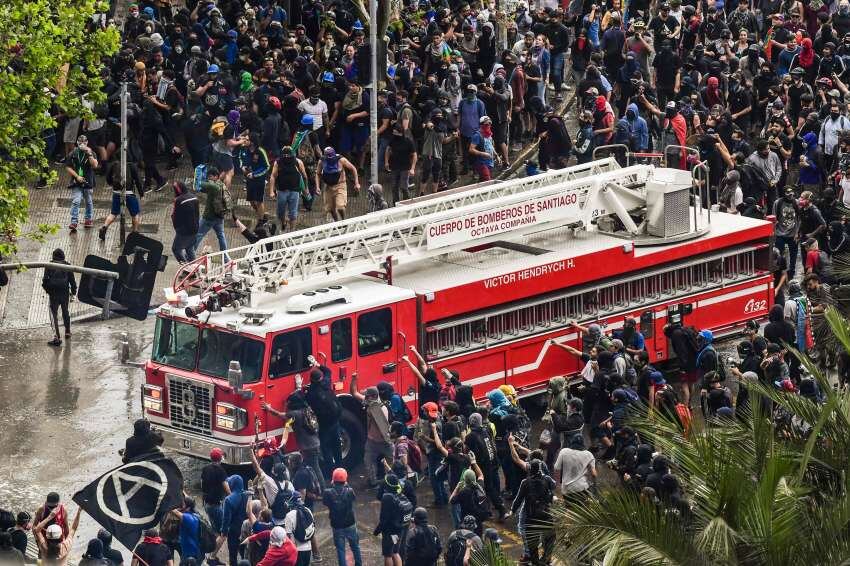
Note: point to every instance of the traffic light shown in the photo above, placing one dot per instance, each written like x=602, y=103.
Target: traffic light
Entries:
x=137, y=266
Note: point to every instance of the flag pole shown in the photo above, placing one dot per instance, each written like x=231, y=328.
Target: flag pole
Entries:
x=373, y=99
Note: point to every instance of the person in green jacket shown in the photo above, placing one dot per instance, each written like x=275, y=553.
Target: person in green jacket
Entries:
x=214, y=211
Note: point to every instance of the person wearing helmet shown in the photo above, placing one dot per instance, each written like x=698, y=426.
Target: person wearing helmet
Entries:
x=306, y=147
x=339, y=499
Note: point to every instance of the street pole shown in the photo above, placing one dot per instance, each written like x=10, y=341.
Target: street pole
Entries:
x=373, y=99
x=125, y=95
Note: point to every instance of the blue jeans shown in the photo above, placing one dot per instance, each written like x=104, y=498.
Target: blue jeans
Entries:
x=781, y=243
x=287, y=205
x=217, y=225
x=340, y=537
x=215, y=514
x=520, y=527
x=557, y=64
x=438, y=485
x=456, y=515
x=78, y=195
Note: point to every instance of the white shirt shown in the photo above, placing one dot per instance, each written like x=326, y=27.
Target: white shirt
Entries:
x=575, y=467
x=289, y=524
x=587, y=372
x=845, y=188
x=317, y=111
x=270, y=487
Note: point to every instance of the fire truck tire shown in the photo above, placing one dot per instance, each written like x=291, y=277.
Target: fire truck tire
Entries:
x=353, y=438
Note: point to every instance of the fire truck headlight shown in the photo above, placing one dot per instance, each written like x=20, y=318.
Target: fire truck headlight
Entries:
x=152, y=398
x=230, y=417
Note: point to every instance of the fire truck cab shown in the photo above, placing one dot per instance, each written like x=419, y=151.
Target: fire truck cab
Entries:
x=480, y=280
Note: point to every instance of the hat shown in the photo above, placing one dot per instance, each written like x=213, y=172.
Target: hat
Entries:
x=777, y=16
x=798, y=71
x=492, y=535
x=139, y=66
x=471, y=88
x=54, y=532
x=306, y=119
x=148, y=11
x=156, y=40
x=671, y=105
x=485, y=120
x=277, y=537
x=216, y=454
x=639, y=24
x=420, y=515
x=52, y=499
x=752, y=325
x=370, y=391
x=475, y=419
x=430, y=409
x=453, y=68
x=213, y=69
x=469, y=522
x=778, y=105
x=593, y=91
x=195, y=50
x=340, y=475
x=833, y=93
x=529, y=34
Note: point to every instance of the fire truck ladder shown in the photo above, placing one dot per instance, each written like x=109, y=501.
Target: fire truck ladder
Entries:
x=207, y=270
x=311, y=256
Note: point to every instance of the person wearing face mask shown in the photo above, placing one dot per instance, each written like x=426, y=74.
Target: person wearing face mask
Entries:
x=667, y=68
x=318, y=109
x=795, y=93
x=812, y=172
x=841, y=19
x=828, y=136
x=482, y=150
x=639, y=128
x=470, y=112
x=740, y=102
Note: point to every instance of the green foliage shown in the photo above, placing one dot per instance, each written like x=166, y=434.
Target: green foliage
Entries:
x=758, y=493
x=44, y=45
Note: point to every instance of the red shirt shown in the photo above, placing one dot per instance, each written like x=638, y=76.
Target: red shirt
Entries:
x=285, y=555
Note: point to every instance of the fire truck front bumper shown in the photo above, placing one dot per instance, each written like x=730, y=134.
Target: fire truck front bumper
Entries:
x=199, y=446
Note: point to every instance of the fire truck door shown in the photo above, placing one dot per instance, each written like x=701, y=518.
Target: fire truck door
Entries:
x=375, y=344
x=335, y=349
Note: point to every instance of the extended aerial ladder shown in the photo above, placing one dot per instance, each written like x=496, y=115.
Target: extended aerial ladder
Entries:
x=411, y=232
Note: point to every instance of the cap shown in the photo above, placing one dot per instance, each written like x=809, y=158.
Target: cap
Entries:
x=213, y=69
x=778, y=16
x=471, y=88
x=798, y=71
x=53, y=497
x=340, y=475
x=420, y=514
x=431, y=409
x=195, y=50
x=54, y=532
x=833, y=93
x=232, y=33
x=529, y=34
x=216, y=454
x=370, y=391
x=492, y=535
x=657, y=378
x=671, y=104
x=277, y=536
x=275, y=102
x=485, y=120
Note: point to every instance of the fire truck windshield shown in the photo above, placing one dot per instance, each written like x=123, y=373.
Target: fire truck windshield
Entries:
x=175, y=343
x=218, y=349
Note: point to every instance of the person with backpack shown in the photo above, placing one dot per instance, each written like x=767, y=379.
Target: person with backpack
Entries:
x=395, y=516
x=189, y=542
x=233, y=514
x=339, y=499
x=470, y=496
x=684, y=344
x=428, y=427
x=331, y=171
x=81, y=165
x=309, y=485
x=301, y=527
x=398, y=408
x=405, y=451
x=479, y=440
x=304, y=424
x=378, y=445
x=306, y=147
x=327, y=409
x=282, y=551
x=214, y=487
x=707, y=358
x=217, y=206
x=535, y=495
x=482, y=151
x=61, y=288
x=286, y=185
x=276, y=487
x=462, y=542
x=421, y=545
x=185, y=218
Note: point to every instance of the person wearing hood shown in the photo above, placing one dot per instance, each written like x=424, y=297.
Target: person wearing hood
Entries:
x=468, y=492
x=378, y=444
x=730, y=193
x=113, y=555
x=684, y=344
x=479, y=441
x=502, y=415
x=233, y=513
x=327, y=409
x=778, y=330
x=707, y=359
x=638, y=127
x=143, y=441
x=61, y=287
x=94, y=554
x=807, y=60
x=603, y=121
x=282, y=550
x=305, y=426
x=421, y=545
x=535, y=496
x=786, y=227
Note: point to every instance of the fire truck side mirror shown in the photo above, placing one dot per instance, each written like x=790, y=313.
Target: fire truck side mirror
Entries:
x=234, y=375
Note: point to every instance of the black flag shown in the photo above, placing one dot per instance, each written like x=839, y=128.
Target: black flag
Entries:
x=133, y=497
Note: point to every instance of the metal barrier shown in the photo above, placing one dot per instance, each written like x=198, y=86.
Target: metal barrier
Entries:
x=110, y=276
x=630, y=156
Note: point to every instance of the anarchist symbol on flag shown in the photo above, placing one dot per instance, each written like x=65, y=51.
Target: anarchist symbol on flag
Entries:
x=133, y=497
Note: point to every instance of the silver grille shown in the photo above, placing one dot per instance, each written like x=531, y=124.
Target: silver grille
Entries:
x=190, y=405
x=668, y=203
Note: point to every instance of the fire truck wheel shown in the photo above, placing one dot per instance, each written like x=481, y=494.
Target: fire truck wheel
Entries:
x=353, y=439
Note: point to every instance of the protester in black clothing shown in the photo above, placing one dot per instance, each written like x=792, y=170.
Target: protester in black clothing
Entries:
x=60, y=286
x=421, y=545
x=152, y=551
x=23, y=523
x=480, y=442
x=214, y=488
x=9, y=555
x=535, y=495
x=392, y=521
x=339, y=499
x=327, y=409
x=778, y=330
x=143, y=441
x=185, y=219
x=111, y=554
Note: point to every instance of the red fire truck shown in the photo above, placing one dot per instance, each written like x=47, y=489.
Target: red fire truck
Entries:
x=479, y=280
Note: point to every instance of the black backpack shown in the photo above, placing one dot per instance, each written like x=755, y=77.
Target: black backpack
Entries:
x=430, y=548
x=539, y=498
x=206, y=536
x=405, y=512
x=416, y=127
x=455, y=549
x=315, y=486
x=280, y=505
x=57, y=281
x=305, y=527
